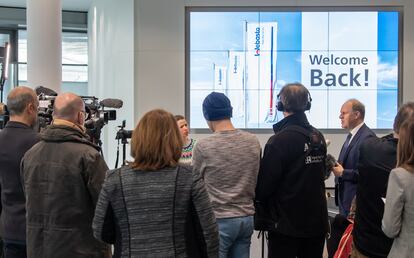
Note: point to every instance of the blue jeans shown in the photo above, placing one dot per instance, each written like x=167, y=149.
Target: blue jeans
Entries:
x=235, y=237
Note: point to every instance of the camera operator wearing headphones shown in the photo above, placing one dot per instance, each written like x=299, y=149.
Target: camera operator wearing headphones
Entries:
x=291, y=180
x=63, y=175
x=15, y=139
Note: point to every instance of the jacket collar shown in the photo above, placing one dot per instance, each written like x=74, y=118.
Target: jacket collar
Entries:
x=299, y=119
x=14, y=124
x=64, y=133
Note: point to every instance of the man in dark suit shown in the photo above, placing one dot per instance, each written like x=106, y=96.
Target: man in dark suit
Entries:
x=15, y=139
x=346, y=172
x=377, y=158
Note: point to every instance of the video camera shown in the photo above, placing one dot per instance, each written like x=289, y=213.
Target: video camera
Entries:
x=97, y=114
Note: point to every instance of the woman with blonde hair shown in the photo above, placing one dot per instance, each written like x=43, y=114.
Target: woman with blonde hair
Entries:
x=145, y=208
x=398, y=220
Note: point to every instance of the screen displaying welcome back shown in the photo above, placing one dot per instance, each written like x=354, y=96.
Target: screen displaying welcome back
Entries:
x=249, y=56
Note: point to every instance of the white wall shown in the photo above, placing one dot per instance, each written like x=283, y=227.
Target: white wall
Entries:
x=111, y=63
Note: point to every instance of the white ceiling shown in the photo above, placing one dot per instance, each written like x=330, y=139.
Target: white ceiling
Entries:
x=67, y=5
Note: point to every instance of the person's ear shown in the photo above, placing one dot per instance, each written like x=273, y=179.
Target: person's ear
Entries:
x=357, y=114
x=81, y=118
x=31, y=108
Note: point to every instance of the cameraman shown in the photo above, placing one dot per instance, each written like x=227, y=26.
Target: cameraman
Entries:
x=63, y=175
x=15, y=139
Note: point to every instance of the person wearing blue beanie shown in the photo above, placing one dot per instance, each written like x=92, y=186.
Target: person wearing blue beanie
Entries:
x=228, y=161
x=216, y=106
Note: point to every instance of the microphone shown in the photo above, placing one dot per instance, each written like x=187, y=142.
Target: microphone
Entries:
x=111, y=103
x=46, y=91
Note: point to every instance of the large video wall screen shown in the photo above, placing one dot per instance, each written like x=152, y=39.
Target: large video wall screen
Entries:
x=337, y=55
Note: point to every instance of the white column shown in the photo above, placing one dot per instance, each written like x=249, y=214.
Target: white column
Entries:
x=111, y=65
x=44, y=44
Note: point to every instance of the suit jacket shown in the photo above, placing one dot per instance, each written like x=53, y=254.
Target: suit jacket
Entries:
x=345, y=186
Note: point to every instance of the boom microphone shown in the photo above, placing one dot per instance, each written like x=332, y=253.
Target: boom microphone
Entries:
x=111, y=103
x=46, y=91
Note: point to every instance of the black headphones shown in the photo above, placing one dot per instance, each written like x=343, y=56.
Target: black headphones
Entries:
x=280, y=107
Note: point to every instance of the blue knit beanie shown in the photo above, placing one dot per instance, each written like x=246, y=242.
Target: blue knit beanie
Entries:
x=217, y=106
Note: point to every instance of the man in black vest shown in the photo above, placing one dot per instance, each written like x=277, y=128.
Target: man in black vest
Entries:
x=378, y=156
x=291, y=181
x=15, y=139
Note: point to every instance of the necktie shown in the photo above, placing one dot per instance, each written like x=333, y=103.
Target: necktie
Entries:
x=348, y=138
x=344, y=148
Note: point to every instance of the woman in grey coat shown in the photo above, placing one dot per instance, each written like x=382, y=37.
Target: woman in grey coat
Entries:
x=398, y=220
x=153, y=207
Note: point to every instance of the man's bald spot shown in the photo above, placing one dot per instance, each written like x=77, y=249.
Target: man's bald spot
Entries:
x=67, y=106
x=19, y=98
x=21, y=90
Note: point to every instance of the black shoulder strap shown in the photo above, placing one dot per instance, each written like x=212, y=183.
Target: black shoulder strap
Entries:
x=298, y=129
x=315, y=138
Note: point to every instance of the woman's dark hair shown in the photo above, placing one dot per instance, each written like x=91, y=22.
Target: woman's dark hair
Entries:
x=179, y=117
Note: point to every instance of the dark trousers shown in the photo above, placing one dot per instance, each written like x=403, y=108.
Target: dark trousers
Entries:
x=14, y=249
x=291, y=247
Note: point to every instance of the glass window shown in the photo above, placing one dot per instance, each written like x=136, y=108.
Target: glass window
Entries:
x=74, y=61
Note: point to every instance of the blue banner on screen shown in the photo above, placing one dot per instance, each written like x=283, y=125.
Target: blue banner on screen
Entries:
x=249, y=56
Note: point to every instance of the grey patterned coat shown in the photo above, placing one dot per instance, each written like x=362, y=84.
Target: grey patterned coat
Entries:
x=145, y=213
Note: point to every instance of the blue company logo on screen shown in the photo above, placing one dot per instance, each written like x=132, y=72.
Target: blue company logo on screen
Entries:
x=257, y=48
x=249, y=56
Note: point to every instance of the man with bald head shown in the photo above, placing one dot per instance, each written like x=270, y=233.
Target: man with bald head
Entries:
x=15, y=139
x=63, y=175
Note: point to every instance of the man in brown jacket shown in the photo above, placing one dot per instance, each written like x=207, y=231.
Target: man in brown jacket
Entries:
x=63, y=175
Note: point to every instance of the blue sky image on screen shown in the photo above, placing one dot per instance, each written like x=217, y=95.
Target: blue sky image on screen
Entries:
x=249, y=56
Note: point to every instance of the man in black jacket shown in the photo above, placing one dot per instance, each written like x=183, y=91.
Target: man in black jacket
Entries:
x=15, y=139
x=291, y=180
x=376, y=159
